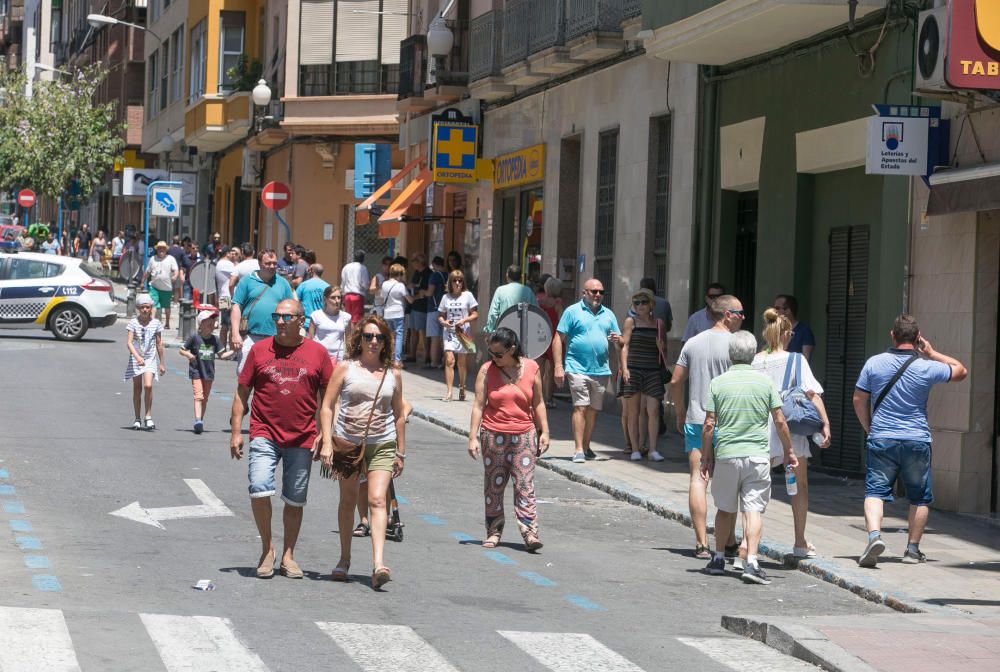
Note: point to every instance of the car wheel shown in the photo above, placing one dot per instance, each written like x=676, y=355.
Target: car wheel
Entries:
x=68, y=323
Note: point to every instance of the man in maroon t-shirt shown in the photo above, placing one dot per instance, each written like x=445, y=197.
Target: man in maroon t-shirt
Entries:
x=288, y=376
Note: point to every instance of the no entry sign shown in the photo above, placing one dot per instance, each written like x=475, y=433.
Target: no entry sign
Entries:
x=26, y=198
x=276, y=195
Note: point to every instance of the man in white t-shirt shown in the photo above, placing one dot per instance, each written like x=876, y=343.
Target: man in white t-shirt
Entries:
x=244, y=268
x=354, y=280
x=162, y=272
x=225, y=268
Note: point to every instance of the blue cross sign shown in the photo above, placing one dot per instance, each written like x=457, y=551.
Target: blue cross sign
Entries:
x=454, y=153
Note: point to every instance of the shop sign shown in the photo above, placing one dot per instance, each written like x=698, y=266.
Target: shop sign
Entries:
x=454, y=153
x=900, y=138
x=974, y=45
x=521, y=167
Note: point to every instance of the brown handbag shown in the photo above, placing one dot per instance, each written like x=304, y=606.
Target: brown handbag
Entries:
x=348, y=458
x=245, y=317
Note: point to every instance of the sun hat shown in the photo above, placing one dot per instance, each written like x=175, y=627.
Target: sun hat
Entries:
x=644, y=294
x=162, y=244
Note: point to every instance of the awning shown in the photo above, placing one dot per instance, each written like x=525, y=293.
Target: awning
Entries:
x=965, y=189
x=361, y=215
x=414, y=191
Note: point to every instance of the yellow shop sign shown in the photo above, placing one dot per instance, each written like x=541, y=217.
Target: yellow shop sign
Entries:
x=521, y=167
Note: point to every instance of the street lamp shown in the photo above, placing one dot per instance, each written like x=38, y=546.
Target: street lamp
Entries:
x=98, y=21
x=440, y=40
x=261, y=96
x=49, y=68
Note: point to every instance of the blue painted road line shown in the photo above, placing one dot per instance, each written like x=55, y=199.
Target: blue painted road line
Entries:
x=7, y=490
x=4, y=474
x=402, y=500
x=583, y=603
x=13, y=507
x=462, y=536
x=20, y=526
x=46, y=582
x=497, y=556
x=36, y=561
x=433, y=520
x=537, y=579
x=28, y=543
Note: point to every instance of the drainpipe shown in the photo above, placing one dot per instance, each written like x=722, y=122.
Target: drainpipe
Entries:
x=705, y=213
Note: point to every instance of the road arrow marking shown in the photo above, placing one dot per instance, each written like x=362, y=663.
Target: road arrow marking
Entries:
x=210, y=507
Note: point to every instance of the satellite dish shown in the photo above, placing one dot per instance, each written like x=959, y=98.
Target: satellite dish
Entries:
x=532, y=327
x=203, y=278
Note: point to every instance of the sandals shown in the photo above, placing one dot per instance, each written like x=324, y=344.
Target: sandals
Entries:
x=461, y=394
x=339, y=572
x=702, y=552
x=491, y=541
x=362, y=530
x=380, y=577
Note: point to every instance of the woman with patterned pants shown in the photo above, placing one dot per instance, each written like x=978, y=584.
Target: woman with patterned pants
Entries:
x=511, y=430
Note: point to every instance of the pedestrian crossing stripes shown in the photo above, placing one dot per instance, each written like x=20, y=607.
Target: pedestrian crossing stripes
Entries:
x=39, y=640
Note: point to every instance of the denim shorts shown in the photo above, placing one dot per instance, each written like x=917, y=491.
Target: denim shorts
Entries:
x=892, y=458
x=296, y=466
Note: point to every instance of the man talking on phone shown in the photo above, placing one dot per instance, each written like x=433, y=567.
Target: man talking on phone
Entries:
x=890, y=400
x=584, y=332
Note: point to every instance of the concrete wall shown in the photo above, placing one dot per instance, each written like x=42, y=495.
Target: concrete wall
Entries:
x=624, y=96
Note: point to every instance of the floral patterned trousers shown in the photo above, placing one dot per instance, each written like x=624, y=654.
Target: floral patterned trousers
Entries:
x=506, y=456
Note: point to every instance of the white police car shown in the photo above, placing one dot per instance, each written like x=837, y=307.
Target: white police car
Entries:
x=58, y=294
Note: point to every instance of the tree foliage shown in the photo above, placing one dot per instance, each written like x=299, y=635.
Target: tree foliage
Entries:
x=58, y=135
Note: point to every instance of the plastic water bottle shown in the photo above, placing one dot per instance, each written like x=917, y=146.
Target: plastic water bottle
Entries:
x=817, y=438
x=790, y=483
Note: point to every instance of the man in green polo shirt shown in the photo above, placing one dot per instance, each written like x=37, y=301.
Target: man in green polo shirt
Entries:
x=256, y=297
x=737, y=406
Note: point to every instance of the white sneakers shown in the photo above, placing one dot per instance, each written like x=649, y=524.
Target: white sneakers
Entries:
x=653, y=455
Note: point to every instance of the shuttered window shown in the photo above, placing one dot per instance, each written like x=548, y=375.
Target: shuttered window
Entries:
x=357, y=30
x=316, y=35
x=394, y=29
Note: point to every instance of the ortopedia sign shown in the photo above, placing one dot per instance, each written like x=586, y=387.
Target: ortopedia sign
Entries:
x=276, y=195
x=26, y=198
x=974, y=45
x=454, y=153
x=899, y=139
x=521, y=167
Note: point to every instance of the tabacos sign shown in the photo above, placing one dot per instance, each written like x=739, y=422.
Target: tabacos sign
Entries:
x=521, y=167
x=974, y=45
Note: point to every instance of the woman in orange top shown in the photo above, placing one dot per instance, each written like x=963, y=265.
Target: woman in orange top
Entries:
x=511, y=429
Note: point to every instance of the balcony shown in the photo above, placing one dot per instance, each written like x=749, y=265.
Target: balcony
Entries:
x=363, y=115
x=214, y=121
x=485, y=59
x=534, y=41
x=413, y=76
x=594, y=28
x=727, y=31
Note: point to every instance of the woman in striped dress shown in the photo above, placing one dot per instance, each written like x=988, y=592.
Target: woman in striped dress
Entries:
x=145, y=364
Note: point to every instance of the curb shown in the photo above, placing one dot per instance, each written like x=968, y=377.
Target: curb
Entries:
x=853, y=580
x=799, y=641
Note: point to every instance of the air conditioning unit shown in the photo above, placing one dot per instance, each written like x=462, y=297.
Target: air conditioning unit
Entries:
x=251, y=170
x=932, y=39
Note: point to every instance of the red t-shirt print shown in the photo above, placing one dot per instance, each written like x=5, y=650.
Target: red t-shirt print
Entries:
x=285, y=382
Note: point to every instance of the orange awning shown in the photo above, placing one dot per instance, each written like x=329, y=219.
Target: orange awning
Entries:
x=361, y=216
x=413, y=192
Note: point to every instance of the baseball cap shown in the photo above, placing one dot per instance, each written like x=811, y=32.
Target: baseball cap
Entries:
x=204, y=315
x=144, y=300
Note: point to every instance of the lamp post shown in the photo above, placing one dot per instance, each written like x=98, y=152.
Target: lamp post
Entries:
x=439, y=43
x=261, y=96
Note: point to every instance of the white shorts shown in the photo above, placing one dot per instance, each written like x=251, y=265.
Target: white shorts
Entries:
x=742, y=484
x=587, y=390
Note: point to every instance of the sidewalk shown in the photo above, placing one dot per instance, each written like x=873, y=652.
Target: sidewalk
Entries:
x=952, y=602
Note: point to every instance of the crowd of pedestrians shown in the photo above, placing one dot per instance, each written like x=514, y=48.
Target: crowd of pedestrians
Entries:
x=746, y=405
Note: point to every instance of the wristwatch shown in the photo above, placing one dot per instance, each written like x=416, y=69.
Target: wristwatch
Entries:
x=400, y=455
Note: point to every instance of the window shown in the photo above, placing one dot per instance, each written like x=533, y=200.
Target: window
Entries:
x=196, y=83
x=24, y=269
x=658, y=198
x=152, y=78
x=230, y=48
x=164, y=73
x=350, y=47
x=178, y=65
x=607, y=185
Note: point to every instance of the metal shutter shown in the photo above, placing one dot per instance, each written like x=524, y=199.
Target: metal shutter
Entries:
x=357, y=30
x=394, y=29
x=316, y=32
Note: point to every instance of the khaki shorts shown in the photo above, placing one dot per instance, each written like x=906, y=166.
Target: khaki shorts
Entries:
x=742, y=484
x=587, y=390
x=380, y=456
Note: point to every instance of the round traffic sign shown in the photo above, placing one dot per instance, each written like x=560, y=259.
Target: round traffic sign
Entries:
x=276, y=195
x=26, y=198
x=532, y=326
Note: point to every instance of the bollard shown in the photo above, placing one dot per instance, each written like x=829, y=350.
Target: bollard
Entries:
x=130, y=299
x=187, y=319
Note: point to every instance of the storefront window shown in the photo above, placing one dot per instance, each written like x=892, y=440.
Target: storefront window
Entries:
x=531, y=217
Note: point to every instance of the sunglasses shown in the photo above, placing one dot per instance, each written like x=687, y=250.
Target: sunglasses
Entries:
x=373, y=337
x=736, y=312
x=643, y=302
x=496, y=355
x=283, y=317
x=596, y=292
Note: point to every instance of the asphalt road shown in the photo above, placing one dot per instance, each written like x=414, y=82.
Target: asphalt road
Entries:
x=615, y=587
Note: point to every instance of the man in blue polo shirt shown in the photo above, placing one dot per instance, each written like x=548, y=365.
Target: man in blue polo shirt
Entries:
x=893, y=412
x=584, y=332
x=257, y=296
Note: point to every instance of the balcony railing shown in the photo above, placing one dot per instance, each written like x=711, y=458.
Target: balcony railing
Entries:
x=516, y=36
x=484, y=59
x=586, y=16
x=548, y=24
x=632, y=9
x=412, y=66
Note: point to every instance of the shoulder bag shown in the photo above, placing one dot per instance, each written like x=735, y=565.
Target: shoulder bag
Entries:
x=801, y=415
x=665, y=373
x=245, y=316
x=348, y=458
x=895, y=378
